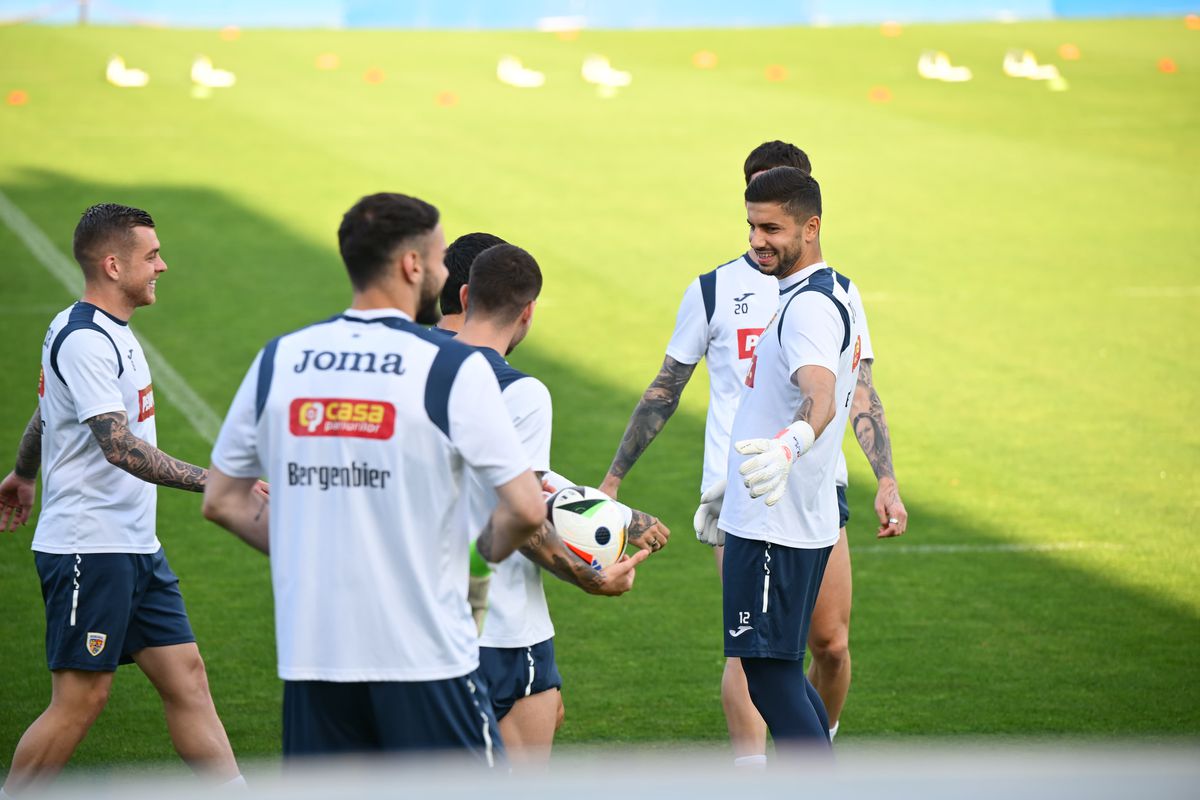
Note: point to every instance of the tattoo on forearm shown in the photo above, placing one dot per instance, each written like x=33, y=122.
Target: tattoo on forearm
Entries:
x=29, y=453
x=641, y=523
x=486, y=544
x=653, y=410
x=805, y=410
x=140, y=458
x=870, y=427
x=547, y=550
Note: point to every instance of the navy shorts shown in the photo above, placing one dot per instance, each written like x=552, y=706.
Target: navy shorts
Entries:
x=322, y=718
x=515, y=672
x=768, y=597
x=843, y=507
x=125, y=602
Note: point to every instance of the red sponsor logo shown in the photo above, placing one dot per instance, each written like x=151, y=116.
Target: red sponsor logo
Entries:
x=340, y=416
x=146, y=403
x=747, y=341
x=857, y=353
x=42, y=382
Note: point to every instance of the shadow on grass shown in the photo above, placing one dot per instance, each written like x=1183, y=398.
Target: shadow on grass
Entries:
x=978, y=643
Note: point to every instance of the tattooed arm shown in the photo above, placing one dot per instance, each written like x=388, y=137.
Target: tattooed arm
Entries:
x=19, y=490
x=547, y=550
x=140, y=458
x=871, y=430
x=518, y=517
x=657, y=405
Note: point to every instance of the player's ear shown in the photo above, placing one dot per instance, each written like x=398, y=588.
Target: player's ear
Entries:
x=109, y=268
x=812, y=228
x=527, y=312
x=410, y=267
x=462, y=297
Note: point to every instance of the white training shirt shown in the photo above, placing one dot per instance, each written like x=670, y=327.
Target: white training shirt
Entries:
x=365, y=425
x=91, y=365
x=817, y=324
x=720, y=318
x=517, y=614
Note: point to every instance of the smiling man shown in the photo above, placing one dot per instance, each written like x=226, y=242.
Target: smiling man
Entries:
x=110, y=595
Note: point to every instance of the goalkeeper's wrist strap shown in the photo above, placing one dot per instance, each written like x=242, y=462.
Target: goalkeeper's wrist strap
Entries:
x=480, y=568
x=799, y=436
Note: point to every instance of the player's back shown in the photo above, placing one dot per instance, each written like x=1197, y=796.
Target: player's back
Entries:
x=818, y=323
x=356, y=432
x=92, y=364
x=722, y=315
x=518, y=615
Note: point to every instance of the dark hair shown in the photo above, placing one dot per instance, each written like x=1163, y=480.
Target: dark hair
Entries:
x=459, y=257
x=504, y=278
x=378, y=224
x=100, y=227
x=769, y=155
x=794, y=189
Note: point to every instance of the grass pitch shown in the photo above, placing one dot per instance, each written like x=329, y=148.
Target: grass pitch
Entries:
x=1027, y=259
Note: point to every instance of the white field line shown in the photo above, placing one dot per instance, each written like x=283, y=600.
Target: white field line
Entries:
x=883, y=548
x=63, y=269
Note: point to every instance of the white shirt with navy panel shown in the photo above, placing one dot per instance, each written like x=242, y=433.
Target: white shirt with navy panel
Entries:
x=721, y=318
x=818, y=323
x=92, y=364
x=366, y=424
x=517, y=615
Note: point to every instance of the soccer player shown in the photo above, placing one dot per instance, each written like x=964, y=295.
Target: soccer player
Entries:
x=111, y=598
x=720, y=318
x=790, y=418
x=517, y=642
x=461, y=253
x=367, y=422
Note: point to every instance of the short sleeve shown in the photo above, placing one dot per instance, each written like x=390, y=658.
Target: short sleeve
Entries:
x=868, y=353
x=88, y=364
x=811, y=332
x=529, y=406
x=689, y=340
x=236, y=451
x=480, y=426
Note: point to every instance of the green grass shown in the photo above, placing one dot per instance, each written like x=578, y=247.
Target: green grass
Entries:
x=1027, y=258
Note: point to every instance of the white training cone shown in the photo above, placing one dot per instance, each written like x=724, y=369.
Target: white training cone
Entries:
x=511, y=71
x=206, y=75
x=935, y=66
x=120, y=75
x=597, y=70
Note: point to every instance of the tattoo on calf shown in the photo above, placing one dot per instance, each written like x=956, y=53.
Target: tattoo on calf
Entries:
x=657, y=405
x=140, y=458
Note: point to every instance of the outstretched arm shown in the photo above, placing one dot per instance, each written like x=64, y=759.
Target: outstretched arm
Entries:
x=871, y=430
x=19, y=489
x=239, y=505
x=140, y=458
x=657, y=405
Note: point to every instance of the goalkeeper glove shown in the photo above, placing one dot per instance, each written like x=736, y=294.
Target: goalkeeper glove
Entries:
x=705, y=520
x=768, y=471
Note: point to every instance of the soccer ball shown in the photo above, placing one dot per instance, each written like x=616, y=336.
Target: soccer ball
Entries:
x=590, y=523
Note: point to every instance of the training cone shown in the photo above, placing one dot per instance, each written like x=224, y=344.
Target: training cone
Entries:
x=122, y=76
x=206, y=75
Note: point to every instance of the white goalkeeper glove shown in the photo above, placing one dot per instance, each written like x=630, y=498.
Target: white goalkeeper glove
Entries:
x=767, y=472
x=705, y=520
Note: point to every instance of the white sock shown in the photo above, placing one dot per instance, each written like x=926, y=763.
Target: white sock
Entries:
x=833, y=730
x=759, y=761
x=233, y=784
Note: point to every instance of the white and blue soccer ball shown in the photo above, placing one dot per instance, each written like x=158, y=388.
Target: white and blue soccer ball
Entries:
x=590, y=523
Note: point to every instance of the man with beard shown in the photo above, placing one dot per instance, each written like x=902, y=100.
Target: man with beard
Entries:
x=367, y=423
